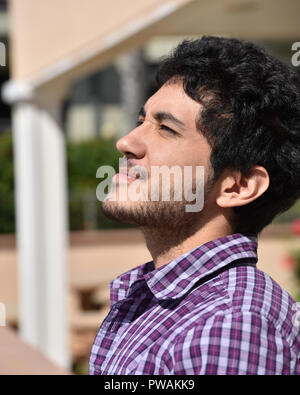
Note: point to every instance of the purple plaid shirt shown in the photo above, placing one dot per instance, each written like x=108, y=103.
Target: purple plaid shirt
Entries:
x=209, y=311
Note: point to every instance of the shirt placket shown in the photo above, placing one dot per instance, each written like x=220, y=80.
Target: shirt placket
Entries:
x=114, y=326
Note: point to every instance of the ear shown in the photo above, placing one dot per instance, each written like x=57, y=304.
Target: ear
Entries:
x=237, y=189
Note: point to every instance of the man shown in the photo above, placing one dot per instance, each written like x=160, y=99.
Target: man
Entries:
x=201, y=306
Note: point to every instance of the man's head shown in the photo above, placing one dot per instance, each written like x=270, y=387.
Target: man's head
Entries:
x=166, y=136
x=240, y=110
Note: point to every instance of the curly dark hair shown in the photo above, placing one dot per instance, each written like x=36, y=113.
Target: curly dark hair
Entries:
x=250, y=116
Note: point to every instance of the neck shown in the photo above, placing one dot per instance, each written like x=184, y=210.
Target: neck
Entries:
x=166, y=245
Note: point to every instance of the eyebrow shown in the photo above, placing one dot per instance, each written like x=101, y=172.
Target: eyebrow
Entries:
x=164, y=116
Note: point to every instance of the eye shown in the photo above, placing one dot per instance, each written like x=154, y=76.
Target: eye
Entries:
x=161, y=127
x=138, y=123
x=164, y=127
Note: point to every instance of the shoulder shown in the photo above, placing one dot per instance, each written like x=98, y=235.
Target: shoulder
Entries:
x=248, y=328
x=250, y=290
x=240, y=342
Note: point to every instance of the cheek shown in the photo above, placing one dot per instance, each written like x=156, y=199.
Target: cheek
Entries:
x=182, y=152
x=198, y=154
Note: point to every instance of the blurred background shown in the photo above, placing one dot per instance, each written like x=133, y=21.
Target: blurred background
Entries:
x=74, y=78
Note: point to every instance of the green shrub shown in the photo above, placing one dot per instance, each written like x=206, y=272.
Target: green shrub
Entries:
x=83, y=160
x=7, y=205
x=296, y=255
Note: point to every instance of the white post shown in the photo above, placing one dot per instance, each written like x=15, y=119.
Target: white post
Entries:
x=41, y=203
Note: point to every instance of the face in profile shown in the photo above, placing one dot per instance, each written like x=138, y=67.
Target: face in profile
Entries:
x=166, y=168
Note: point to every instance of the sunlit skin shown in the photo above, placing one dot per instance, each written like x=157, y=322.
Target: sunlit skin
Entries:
x=167, y=135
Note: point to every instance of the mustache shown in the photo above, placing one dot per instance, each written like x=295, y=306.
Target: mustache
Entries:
x=132, y=169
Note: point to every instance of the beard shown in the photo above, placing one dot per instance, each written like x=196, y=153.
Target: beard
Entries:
x=158, y=214
x=146, y=214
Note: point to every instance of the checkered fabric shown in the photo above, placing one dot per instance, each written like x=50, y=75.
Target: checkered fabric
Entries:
x=209, y=311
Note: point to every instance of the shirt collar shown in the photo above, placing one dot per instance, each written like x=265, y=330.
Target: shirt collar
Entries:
x=176, y=278
x=120, y=286
x=173, y=280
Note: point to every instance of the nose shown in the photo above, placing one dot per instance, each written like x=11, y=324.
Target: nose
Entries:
x=132, y=145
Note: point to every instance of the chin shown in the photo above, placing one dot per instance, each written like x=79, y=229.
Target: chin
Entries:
x=121, y=211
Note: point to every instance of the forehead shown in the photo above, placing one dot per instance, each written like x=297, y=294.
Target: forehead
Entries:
x=171, y=97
